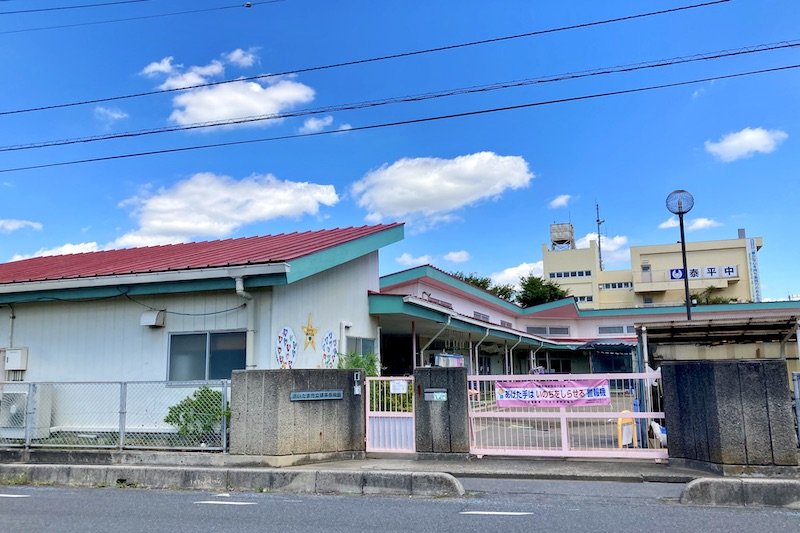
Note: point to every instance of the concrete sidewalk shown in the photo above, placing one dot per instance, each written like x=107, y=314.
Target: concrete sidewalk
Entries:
x=355, y=473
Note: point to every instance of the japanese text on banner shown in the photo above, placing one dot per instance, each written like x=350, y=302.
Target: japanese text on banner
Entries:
x=553, y=393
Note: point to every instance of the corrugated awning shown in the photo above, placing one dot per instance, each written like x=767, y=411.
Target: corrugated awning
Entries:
x=713, y=332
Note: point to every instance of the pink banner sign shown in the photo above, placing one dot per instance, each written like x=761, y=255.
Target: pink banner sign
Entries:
x=552, y=393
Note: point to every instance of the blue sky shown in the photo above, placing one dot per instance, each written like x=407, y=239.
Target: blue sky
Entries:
x=477, y=192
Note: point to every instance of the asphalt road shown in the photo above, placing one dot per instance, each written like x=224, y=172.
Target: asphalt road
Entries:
x=492, y=505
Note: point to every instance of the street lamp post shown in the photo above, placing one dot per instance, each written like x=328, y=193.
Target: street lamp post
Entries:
x=680, y=202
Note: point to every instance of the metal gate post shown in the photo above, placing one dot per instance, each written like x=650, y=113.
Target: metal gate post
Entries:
x=123, y=409
x=224, y=424
x=29, y=415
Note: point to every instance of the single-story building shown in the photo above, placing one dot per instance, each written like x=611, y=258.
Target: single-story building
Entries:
x=193, y=311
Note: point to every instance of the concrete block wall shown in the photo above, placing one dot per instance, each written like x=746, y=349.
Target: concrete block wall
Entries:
x=730, y=412
x=441, y=426
x=264, y=421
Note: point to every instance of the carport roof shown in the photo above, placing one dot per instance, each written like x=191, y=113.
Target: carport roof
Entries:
x=711, y=332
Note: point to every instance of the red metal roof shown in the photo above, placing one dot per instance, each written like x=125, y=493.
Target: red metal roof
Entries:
x=194, y=255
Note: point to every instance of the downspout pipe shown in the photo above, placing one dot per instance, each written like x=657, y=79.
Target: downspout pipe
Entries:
x=475, y=348
x=250, y=305
x=511, y=353
x=422, y=351
x=534, y=354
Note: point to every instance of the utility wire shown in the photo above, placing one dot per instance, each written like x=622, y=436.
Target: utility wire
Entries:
x=143, y=17
x=412, y=98
x=62, y=8
x=407, y=122
x=369, y=60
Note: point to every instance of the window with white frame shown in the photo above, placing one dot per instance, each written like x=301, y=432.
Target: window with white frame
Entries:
x=204, y=356
x=360, y=345
x=617, y=285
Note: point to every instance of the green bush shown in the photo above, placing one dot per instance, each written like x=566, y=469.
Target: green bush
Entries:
x=367, y=362
x=198, y=414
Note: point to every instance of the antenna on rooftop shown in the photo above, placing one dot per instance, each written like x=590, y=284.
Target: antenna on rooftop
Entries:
x=599, y=221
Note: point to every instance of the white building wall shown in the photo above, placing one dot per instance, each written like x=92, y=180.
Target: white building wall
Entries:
x=326, y=300
x=102, y=340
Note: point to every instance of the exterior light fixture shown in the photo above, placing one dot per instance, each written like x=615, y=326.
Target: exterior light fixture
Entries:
x=680, y=202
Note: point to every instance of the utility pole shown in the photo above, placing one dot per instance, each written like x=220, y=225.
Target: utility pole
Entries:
x=599, y=247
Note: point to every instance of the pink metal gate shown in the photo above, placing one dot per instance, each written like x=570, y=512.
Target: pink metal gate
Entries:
x=390, y=415
x=567, y=415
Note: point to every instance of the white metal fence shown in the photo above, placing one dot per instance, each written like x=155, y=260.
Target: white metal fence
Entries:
x=123, y=415
x=567, y=415
x=390, y=415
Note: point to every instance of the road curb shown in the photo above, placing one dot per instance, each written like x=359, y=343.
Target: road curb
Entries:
x=427, y=484
x=743, y=492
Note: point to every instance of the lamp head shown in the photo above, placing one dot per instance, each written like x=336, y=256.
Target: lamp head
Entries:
x=680, y=202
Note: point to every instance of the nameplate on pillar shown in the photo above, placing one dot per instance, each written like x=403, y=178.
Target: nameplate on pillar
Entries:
x=311, y=395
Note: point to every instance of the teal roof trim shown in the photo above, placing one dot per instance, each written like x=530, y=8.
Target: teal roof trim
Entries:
x=569, y=301
x=142, y=289
x=427, y=271
x=793, y=306
x=393, y=304
x=309, y=265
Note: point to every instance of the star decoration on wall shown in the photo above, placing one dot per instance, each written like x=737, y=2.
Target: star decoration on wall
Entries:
x=310, y=332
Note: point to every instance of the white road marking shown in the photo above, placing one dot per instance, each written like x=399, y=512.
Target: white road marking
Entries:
x=495, y=513
x=216, y=502
x=15, y=495
x=223, y=495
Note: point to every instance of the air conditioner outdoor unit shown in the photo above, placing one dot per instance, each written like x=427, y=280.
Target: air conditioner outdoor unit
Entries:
x=18, y=410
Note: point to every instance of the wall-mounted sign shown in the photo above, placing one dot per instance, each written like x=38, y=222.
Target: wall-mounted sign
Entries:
x=398, y=386
x=706, y=272
x=303, y=395
x=435, y=395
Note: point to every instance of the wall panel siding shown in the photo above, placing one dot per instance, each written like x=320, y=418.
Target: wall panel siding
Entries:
x=102, y=340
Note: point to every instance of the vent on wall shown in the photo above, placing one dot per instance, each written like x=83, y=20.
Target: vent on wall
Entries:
x=153, y=318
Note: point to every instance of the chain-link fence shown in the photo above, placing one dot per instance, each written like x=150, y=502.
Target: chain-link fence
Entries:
x=123, y=415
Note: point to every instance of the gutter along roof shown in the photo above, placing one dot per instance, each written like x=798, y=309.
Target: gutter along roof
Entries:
x=212, y=265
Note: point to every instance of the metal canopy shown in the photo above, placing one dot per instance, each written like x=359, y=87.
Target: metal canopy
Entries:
x=723, y=331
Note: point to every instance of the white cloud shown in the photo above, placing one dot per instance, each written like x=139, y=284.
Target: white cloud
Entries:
x=197, y=75
x=10, y=224
x=671, y=222
x=164, y=66
x=241, y=58
x=211, y=206
x=226, y=101
x=745, y=143
x=702, y=223
x=426, y=191
x=460, y=256
x=512, y=275
x=410, y=261
x=314, y=125
x=239, y=99
x=560, y=201
x=61, y=250
x=615, y=249
x=109, y=114
x=344, y=127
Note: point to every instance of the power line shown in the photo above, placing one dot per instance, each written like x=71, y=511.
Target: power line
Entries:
x=63, y=8
x=413, y=98
x=406, y=122
x=143, y=17
x=369, y=60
